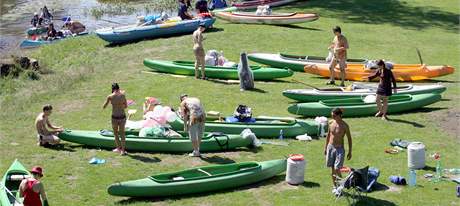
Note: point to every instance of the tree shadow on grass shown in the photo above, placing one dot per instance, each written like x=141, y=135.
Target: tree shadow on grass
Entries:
x=217, y=160
x=257, y=90
x=144, y=158
x=271, y=181
x=394, y=12
x=415, y=124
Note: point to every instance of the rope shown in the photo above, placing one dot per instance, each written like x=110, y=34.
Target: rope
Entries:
x=221, y=145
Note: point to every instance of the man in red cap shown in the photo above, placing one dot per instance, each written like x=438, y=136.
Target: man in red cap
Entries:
x=32, y=189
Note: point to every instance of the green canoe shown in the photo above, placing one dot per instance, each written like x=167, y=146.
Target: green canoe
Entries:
x=294, y=62
x=264, y=127
x=356, y=90
x=200, y=179
x=216, y=142
x=357, y=107
x=215, y=72
x=11, y=180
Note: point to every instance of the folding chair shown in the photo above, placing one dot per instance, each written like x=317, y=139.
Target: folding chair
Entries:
x=353, y=185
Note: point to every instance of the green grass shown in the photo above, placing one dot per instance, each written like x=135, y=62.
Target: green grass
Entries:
x=83, y=69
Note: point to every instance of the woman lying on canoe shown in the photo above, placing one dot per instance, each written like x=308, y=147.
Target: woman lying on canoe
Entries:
x=384, y=88
x=194, y=116
x=32, y=189
x=119, y=104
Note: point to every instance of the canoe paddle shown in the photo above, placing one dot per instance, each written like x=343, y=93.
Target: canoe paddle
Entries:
x=306, y=84
x=419, y=56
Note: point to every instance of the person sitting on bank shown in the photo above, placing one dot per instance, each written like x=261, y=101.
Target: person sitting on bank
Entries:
x=75, y=27
x=47, y=133
x=183, y=11
x=52, y=33
x=32, y=189
x=201, y=6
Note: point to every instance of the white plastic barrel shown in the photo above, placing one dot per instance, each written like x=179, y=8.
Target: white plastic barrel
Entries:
x=416, y=155
x=295, y=170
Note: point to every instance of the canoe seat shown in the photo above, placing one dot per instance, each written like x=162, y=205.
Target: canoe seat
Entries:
x=17, y=177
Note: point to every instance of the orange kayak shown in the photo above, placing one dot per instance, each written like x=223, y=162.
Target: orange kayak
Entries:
x=402, y=72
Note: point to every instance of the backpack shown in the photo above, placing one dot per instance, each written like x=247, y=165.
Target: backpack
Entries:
x=243, y=113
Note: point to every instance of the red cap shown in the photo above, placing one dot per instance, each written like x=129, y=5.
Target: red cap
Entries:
x=296, y=157
x=37, y=170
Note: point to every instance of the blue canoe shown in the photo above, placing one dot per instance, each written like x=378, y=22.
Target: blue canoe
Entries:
x=131, y=33
x=28, y=43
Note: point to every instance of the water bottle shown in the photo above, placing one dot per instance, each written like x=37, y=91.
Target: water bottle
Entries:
x=438, y=176
x=281, y=137
x=412, y=178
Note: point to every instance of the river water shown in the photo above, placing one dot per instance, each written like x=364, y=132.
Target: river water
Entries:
x=15, y=15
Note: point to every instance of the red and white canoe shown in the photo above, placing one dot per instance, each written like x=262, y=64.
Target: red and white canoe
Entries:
x=255, y=3
x=275, y=18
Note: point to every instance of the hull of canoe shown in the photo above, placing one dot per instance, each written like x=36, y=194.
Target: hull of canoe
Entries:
x=28, y=43
x=313, y=95
x=254, y=4
x=401, y=72
x=276, y=19
x=133, y=33
x=13, y=185
x=187, y=68
x=357, y=107
x=266, y=127
x=293, y=62
x=168, y=145
x=216, y=181
x=36, y=30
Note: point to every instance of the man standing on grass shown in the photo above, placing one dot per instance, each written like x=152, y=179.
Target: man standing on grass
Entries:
x=194, y=116
x=339, y=48
x=334, y=147
x=47, y=133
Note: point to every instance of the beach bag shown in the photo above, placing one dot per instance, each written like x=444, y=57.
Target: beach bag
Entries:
x=243, y=113
x=245, y=73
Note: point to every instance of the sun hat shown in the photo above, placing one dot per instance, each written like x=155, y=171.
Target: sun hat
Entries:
x=37, y=170
x=152, y=100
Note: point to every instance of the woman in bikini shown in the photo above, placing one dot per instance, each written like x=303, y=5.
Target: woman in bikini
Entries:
x=119, y=104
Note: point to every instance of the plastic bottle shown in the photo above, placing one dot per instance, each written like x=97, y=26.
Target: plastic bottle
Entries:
x=281, y=137
x=438, y=171
x=412, y=178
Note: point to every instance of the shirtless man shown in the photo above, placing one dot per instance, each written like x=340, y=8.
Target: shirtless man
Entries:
x=339, y=46
x=119, y=104
x=334, y=148
x=47, y=133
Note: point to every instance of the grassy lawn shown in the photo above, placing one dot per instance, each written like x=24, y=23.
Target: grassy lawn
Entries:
x=83, y=69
